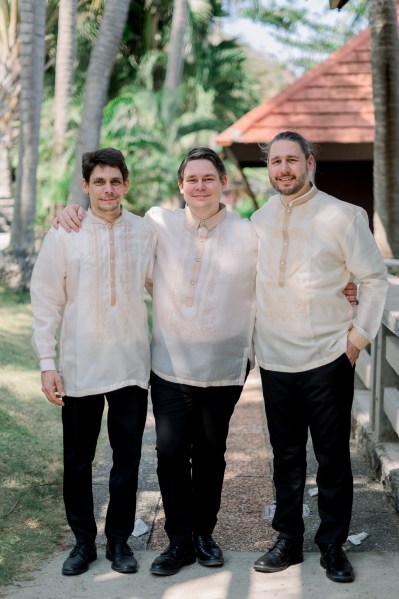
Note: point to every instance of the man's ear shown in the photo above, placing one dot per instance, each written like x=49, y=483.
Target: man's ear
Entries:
x=85, y=186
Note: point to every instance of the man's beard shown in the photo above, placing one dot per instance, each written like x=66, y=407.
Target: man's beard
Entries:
x=298, y=184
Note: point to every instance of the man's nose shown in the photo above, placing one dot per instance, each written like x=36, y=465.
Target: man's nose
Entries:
x=285, y=165
x=108, y=187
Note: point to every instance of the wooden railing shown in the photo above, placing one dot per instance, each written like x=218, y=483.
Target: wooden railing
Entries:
x=379, y=371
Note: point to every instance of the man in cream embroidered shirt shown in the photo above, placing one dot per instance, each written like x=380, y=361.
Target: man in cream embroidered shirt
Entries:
x=308, y=252
x=88, y=298
x=90, y=287
x=307, y=340
x=203, y=297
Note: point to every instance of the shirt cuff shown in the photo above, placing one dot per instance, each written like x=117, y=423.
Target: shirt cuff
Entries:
x=47, y=364
x=357, y=339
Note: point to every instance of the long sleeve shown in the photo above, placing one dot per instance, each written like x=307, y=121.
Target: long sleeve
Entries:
x=48, y=299
x=364, y=261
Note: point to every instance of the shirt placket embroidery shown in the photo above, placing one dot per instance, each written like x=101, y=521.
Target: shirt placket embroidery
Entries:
x=288, y=208
x=202, y=236
x=284, y=249
x=112, y=263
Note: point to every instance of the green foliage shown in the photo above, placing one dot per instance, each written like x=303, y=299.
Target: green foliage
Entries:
x=310, y=34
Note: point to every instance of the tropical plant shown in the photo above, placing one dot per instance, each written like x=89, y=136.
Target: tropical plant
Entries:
x=101, y=63
x=17, y=267
x=9, y=101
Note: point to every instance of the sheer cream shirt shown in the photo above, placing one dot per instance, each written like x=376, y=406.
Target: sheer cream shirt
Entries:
x=309, y=250
x=88, y=289
x=203, y=297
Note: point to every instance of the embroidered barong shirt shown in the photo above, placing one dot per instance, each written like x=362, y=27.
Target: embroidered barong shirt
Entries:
x=309, y=250
x=203, y=297
x=88, y=288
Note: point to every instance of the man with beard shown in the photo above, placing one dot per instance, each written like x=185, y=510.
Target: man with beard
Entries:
x=307, y=340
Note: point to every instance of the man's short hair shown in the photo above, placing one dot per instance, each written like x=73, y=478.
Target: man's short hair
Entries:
x=202, y=154
x=103, y=157
x=306, y=146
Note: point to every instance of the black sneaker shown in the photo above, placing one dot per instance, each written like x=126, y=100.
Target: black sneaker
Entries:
x=283, y=554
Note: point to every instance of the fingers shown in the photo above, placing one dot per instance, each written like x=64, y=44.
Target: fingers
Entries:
x=52, y=387
x=55, y=222
x=352, y=352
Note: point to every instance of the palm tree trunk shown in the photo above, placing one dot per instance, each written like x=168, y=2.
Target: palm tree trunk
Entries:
x=20, y=252
x=64, y=70
x=9, y=102
x=97, y=83
x=385, y=70
x=175, y=65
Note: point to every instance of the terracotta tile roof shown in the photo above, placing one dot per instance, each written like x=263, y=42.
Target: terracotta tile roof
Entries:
x=331, y=103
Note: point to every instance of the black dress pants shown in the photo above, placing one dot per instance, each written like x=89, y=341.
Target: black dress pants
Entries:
x=319, y=400
x=81, y=418
x=192, y=424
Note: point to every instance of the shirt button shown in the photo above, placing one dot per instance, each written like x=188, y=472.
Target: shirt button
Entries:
x=112, y=280
x=198, y=259
x=192, y=282
x=285, y=242
x=282, y=263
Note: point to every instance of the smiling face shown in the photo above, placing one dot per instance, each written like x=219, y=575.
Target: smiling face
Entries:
x=106, y=188
x=202, y=187
x=289, y=170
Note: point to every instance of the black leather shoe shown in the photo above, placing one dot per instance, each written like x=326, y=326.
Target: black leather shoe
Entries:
x=79, y=559
x=173, y=559
x=122, y=558
x=208, y=552
x=337, y=566
x=283, y=554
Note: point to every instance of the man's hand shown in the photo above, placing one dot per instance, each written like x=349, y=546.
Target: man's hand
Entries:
x=52, y=387
x=350, y=292
x=352, y=352
x=70, y=218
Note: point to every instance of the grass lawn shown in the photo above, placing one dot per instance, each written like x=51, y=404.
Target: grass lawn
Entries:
x=32, y=519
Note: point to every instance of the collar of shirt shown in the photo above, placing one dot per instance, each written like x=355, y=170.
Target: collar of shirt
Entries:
x=301, y=200
x=209, y=223
x=103, y=221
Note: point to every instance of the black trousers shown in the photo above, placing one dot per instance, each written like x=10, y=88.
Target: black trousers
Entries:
x=319, y=400
x=81, y=418
x=192, y=424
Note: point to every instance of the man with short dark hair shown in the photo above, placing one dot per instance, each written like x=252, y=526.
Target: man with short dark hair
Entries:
x=307, y=340
x=88, y=290
x=201, y=350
